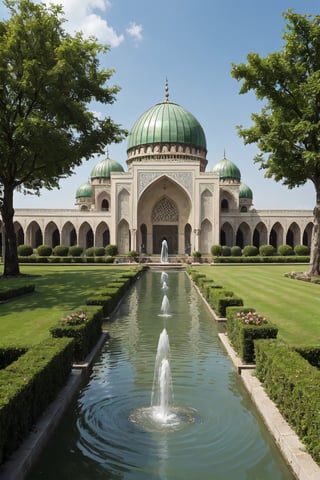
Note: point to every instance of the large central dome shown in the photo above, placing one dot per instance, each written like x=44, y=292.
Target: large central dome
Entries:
x=168, y=123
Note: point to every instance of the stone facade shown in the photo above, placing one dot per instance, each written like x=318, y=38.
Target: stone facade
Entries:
x=166, y=193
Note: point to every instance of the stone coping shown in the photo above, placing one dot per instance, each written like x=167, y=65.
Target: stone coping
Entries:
x=292, y=449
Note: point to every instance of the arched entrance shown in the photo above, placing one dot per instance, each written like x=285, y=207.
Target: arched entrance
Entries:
x=163, y=211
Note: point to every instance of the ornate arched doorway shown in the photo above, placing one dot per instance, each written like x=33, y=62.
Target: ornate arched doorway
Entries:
x=164, y=209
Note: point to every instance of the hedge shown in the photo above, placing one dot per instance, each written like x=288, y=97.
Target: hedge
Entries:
x=260, y=259
x=7, y=293
x=27, y=386
x=85, y=334
x=242, y=336
x=294, y=385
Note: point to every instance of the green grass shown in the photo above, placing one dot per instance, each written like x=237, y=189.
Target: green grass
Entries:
x=293, y=305
x=26, y=320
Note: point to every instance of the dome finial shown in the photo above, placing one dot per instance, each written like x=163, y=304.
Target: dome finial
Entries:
x=107, y=152
x=167, y=91
x=224, y=154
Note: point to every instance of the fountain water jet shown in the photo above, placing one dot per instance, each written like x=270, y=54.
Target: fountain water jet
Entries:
x=165, y=307
x=164, y=252
x=162, y=415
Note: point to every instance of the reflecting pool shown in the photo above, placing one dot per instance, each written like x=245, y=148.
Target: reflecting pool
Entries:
x=107, y=432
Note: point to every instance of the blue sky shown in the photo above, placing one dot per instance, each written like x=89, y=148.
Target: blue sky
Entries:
x=193, y=44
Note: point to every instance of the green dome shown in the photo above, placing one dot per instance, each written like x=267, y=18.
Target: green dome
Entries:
x=167, y=122
x=84, y=190
x=245, y=191
x=227, y=170
x=104, y=168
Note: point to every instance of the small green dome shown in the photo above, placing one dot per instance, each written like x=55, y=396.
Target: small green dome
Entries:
x=104, y=168
x=167, y=122
x=245, y=191
x=227, y=170
x=84, y=190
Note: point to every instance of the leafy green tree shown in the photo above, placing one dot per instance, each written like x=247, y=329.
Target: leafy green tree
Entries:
x=287, y=129
x=48, y=80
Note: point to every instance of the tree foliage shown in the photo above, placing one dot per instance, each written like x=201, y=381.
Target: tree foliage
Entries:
x=287, y=129
x=48, y=81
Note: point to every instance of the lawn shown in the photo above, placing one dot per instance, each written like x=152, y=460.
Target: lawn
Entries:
x=59, y=290
x=293, y=305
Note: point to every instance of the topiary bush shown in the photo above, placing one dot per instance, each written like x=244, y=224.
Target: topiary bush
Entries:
x=60, y=250
x=285, y=250
x=226, y=251
x=89, y=252
x=44, y=251
x=216, y=250
x=25, y=250
x=266, y=250
x=111, y=250
x=236, y=251
x=302, y=250
x=75, y=251
x=99, y=252
x=250, y=251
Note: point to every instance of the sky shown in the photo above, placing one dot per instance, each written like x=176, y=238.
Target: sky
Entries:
x=193, y=44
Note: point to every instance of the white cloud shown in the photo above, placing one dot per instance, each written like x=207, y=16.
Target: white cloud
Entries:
x=85, y=16
x=135, y=31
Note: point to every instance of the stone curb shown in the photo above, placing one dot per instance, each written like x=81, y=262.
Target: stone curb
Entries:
x=292, y=449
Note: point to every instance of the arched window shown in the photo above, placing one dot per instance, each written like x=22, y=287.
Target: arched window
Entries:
x=105, y=205
x=224, y=205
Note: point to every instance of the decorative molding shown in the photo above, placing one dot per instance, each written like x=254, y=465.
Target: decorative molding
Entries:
x=184, y=178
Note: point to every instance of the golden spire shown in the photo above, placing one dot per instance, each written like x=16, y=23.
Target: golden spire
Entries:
x=167, y=91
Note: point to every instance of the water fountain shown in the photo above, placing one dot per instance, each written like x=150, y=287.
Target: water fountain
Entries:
x=165, y=307
x=164, y=252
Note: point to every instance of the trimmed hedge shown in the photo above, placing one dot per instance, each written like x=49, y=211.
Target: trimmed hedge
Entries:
x=85, y=334
x=9, y=355
x=7, y=293
x=294, y=385
x=260, y=259
x=242, y=336
x=27, y=386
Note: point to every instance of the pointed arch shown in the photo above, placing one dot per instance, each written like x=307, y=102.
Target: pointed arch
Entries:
x=86, y=237
x=205, y=237
x=293, y=235
x=68, y=234
x=307, y=234
x=19, y=233
x=276, y=235
x=102, y=235
x=206, y=204
x=243, y=235
x=51, y=234
x=123, y=237
x=226, y=234
x=34, y=235
x=260, y=235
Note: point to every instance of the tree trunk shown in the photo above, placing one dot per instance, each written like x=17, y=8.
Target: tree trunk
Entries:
x=11, y=264
x=315, y=240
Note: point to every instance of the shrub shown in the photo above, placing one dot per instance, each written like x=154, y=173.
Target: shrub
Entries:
x=236, y=251
x=99, y=252
x=111, y=250
x=25, y=250
x=196, y=254
x=89, y=252
x=216, y=250
x=75, y=251
x=226, y=251
x=60, y=250
x=44, y=251
x=285, y=250
x=250, y=251
x=266, y=250
x=132, y=254
x=302, y=250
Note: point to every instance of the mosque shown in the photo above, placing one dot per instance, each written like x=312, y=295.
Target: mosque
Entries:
x=166, y=193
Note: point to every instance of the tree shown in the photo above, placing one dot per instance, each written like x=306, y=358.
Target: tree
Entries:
x=48, y=80
x=287, y=130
